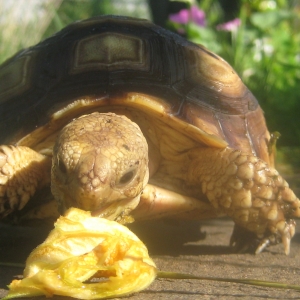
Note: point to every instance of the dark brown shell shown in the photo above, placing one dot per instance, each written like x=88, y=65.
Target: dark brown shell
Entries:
x=107, y=56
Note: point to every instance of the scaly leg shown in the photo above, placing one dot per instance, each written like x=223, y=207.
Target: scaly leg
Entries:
x=243, y=186
x=22, y=172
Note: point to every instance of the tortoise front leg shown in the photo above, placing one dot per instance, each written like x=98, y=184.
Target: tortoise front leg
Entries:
x=243, y=186
x=156, y=202
x=22, y=172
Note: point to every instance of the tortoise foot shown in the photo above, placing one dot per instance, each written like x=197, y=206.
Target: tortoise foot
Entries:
x=22, y=172
x=249, y=191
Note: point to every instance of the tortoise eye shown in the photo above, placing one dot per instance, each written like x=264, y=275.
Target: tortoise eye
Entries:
x=126, y=178
x=62, y=167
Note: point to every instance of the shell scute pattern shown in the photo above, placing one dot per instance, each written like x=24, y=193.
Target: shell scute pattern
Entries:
x=82, y=60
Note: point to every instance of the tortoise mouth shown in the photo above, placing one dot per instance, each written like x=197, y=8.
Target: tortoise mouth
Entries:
x=118, y=210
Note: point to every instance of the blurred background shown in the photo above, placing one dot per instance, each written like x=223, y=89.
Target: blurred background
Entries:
x=259, y=38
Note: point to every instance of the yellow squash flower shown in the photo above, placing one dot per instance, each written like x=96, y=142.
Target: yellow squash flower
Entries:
x=86, y=257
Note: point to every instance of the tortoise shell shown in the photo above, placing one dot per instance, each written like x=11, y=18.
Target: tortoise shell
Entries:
x=108, y=56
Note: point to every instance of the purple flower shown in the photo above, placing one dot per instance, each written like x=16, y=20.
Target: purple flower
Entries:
x=230, y=25
x=198, y=16
x=182, y=17
x=193, y=14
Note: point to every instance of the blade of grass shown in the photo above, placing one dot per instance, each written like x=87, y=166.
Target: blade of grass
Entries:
x=13, y=265
x=255, y=282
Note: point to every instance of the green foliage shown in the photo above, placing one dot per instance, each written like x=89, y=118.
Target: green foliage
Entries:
x=70, y=11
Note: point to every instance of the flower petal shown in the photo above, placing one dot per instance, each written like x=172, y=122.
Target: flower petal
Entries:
x=182, y=17
x=86, y=257
x=230, y=26
x=198, y=16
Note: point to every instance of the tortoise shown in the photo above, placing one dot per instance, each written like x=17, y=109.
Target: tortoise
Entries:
x=137, y=123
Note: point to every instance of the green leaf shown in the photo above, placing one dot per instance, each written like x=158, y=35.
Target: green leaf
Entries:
x=204, y=36
x=268, y=19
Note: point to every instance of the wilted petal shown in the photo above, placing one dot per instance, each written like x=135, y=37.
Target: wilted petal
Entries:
x=230, y=26
x=87, y=258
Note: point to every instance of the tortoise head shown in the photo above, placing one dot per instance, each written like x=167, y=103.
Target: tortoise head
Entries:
x=100, y=164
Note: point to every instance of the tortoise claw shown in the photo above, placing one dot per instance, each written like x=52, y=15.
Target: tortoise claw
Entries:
x=287, y=235
x=262, y=245
x=273, y=240
x=243, y=240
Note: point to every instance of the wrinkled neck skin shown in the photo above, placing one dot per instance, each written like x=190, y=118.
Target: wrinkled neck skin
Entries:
x=100, y=164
